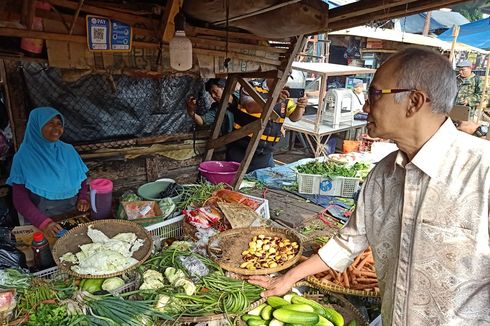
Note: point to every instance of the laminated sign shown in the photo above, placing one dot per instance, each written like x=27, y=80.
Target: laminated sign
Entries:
x=104, y=34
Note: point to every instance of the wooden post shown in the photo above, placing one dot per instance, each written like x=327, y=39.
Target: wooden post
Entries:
x=483, y=101
x=321, y=100
x=168, y=26
x=453, y=45
x=227, y=92
x=269, y=107
x=426, y=30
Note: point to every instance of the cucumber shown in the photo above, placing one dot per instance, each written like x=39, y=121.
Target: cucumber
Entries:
x=353, y=322
x=256, y=311
x=295, y=317
x=275, y=322
x=288, y=297
x=319, y=309
x=266, y=313
x=276, y=301
x=324, y=322
x=256, y=322
x=334, y=316
x=248, y=317
x=299, y=307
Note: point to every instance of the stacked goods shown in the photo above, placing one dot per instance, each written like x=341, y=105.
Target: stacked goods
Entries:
x=268, y=252
x=293, y=309
x=361, y=275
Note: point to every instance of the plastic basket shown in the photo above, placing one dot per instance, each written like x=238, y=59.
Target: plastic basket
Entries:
x=54, y=273
x=315, y=184
x=263, y=209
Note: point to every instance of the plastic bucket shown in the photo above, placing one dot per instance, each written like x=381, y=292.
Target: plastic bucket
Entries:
x=153, y=190
x=101, y=198
x=219, y=171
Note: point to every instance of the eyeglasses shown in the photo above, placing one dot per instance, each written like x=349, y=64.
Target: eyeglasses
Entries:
x=374, y=92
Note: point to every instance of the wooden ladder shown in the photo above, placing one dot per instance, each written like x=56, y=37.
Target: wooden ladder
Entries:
x=257, y=127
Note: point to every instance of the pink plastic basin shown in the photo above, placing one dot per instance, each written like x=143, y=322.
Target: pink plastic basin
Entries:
x=219, y=171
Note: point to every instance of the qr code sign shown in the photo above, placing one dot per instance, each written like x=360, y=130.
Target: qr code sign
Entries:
x=99, y=35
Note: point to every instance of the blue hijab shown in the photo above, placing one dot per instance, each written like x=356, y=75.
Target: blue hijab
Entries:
x=52, y=170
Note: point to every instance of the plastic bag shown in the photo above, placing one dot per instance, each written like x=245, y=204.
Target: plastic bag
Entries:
x=10, y=256
x=194, y=267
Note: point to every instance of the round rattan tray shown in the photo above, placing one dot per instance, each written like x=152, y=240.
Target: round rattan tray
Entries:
x=77, y=236
x=346, y=309
x=329, y=286
x=231, y=244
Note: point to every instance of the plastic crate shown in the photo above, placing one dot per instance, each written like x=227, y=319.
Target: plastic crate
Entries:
x=54, y=273
x=315, y=184
x=174, y=227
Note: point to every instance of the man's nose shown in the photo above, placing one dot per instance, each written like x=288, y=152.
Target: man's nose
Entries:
x=366, y=108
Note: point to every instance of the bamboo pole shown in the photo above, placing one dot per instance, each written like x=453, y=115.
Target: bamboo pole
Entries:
x=453, y=45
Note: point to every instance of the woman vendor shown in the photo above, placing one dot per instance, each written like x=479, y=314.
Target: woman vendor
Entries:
x=48, y=177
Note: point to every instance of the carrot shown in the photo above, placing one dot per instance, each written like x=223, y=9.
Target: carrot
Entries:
x=365, y=286
x=346, y=280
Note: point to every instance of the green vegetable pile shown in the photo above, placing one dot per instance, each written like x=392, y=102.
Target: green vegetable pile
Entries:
x=332, y=169
x=196, y=195
x=212, y=293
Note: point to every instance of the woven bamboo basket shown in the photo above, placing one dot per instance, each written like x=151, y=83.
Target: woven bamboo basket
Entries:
x=329, y=286
x=231, y=244
x=343, y=306
x=77, y=236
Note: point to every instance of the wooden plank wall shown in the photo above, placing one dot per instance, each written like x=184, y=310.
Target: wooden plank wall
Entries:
x=126, y=173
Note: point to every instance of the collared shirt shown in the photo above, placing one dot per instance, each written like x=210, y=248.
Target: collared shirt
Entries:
x=427, y=222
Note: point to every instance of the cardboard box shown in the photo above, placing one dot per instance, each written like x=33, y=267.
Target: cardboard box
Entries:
x=23, y=236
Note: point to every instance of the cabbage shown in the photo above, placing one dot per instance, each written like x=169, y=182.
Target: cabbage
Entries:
x=112, y=283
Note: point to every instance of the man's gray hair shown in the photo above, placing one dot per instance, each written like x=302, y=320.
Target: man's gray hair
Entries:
x=428, y=71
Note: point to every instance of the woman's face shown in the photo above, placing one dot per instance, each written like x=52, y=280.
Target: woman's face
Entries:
x=53, y=129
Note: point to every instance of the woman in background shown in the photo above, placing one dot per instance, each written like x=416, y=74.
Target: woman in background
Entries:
x=48, y=177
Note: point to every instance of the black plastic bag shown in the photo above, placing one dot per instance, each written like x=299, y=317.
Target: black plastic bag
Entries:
x=10, y=256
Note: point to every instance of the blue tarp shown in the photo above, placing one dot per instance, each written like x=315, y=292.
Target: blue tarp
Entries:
x=476, y=34
x=439, y=20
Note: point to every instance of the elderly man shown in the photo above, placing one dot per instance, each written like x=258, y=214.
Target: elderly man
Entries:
x=469, y=86
x=424, y=209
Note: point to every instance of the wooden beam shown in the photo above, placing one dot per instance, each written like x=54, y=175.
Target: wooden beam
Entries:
x=295, y=47
x=223, y=106
x=392, y=12
x=204, y=41
x=28, y=10
x=235, y=135
x=15, y=32
x=8, y=105
x=251, y=91
x=127, y=18
x=258, y=74
x=168, y=26
x=193, y=30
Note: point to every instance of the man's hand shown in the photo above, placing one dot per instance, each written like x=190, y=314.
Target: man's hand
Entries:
x=468, y=126
x=83, y=205
x=302, y=103
x=284, y=95
x=51, y=229
x=191, y=106
x=274, y=286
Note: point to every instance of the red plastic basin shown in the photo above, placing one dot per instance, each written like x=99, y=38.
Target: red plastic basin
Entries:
x=219, y=171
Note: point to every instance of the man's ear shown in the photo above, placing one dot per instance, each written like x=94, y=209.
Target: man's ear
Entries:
x=416, y=101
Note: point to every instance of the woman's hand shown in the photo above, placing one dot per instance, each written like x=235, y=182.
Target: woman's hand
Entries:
x=51, y=229
x=83, y=205
x=274, y=286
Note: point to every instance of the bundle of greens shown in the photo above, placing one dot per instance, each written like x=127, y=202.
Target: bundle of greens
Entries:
x=332, y=169
x=196, y=195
